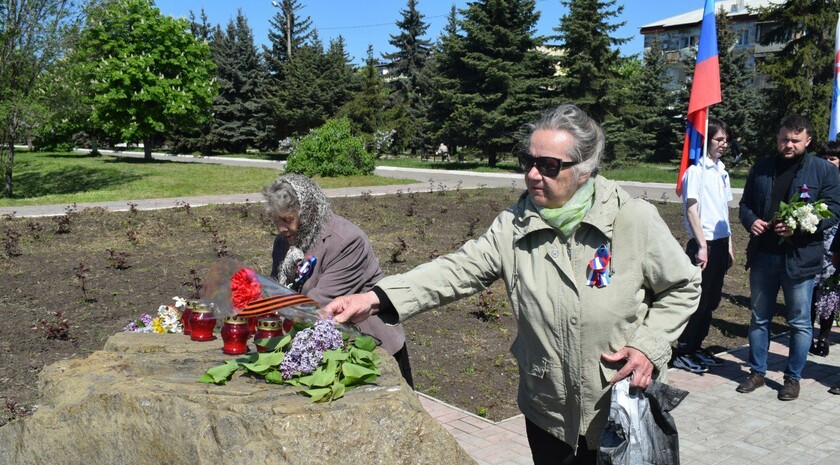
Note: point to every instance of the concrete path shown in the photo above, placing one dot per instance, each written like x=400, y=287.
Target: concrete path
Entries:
x=716, y=424
x=427, y=180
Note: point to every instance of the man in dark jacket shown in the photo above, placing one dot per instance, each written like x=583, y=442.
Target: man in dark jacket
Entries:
x=779, y=257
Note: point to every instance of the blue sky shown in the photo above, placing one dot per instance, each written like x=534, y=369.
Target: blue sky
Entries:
x=364, y=22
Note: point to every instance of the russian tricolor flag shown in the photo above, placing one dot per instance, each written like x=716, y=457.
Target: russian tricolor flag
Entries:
x=705, y=92
x=834, y=125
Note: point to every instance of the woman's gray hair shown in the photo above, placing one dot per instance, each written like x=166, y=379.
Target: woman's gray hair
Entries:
x=295, y=193
x=589, y=141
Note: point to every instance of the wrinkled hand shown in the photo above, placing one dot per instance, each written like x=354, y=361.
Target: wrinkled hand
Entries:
x=781, y=229
x=354, y=308
x=758, y=227
x=637, y=366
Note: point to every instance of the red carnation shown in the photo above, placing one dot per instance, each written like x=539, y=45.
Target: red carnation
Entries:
x=244, y=288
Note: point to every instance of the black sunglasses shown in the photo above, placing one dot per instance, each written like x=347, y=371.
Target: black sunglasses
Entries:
x=547, y=166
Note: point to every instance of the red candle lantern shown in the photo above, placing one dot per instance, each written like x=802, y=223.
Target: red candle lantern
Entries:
x=266, y=328
x=235, y=335
x=185, y=317
x=252, y=325
x=202, y=323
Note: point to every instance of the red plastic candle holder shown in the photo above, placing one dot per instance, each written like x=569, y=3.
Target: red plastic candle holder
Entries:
x=202, y=323
x=235, y=336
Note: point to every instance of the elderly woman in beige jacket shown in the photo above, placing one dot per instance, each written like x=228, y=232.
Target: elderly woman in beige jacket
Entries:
x=599, y=287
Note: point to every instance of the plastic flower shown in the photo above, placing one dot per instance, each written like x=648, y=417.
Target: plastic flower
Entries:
x=157, y=325
x=179, y=302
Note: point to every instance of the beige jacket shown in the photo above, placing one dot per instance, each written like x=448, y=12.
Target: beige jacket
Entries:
x=564, y=325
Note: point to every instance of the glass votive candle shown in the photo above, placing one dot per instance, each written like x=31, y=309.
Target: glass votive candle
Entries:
x=185, y=318
x=202, y=323
x=266, y=328
x=252, y=325
x=235, y=336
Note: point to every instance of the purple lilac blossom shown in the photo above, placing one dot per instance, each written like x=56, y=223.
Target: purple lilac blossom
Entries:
x=308, y=348
x=827, y=302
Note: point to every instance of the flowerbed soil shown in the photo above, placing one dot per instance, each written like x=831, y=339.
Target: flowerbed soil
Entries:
x=108, y=268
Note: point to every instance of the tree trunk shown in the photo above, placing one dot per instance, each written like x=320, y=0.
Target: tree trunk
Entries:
x=147, y=149
x=10, y=161
x=455, y=152
x=491, y=160
x=94, y=147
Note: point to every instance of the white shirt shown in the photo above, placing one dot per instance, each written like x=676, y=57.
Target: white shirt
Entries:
x=708, y=183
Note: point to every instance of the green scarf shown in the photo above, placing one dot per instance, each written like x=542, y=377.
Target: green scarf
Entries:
x=567, y=218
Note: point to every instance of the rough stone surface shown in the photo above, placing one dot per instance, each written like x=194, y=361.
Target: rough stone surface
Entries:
x=137, y=402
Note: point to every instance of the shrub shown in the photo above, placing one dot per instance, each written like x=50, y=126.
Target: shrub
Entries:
x=330, y=151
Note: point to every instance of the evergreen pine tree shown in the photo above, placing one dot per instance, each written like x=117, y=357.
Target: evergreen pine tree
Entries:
x=590, y=59
x=366, y=109
x=503, y=80
x=410, y=86
x=741, y=106
x=803, y=71
x=660, y=120
x=236, y=108
x=444, y=74
x=302, y=102
x=288, y=32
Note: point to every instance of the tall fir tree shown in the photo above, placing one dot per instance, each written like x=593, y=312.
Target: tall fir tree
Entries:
x=661, y=125
x=590, y=59
x=366, y=109
x=288, y=31
x=236, y=109
x=503, y=80
x=410, y=86
x=741, y=106
x=445, y=73
x=802, y=73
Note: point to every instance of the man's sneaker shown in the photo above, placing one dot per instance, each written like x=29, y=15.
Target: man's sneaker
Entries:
x=753, y=382
x=790, y=391
x=689, y=362
x=708, y=358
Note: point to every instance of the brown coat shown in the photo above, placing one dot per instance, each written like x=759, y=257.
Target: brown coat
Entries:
x=346, y=264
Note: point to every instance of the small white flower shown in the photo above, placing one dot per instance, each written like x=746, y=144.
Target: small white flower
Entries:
x=179, y=302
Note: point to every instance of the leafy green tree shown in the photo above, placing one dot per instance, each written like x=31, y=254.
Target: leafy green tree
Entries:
x=803, y=71
x=503, y=80
x=330, y=151
x=236, y=109
x=410, y=85
x=146, y=72
x=366, y=110
x=32, y=38
x=590, y=55
x=741, y=106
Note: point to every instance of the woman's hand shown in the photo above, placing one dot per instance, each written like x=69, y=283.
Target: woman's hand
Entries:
x=636, y=365
x=354, y=308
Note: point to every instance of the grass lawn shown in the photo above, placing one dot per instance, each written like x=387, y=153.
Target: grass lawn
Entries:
x=64, y=178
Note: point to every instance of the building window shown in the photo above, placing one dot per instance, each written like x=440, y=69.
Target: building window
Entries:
x=744, y=38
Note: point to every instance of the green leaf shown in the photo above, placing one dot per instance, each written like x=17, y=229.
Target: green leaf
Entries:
x=205, y=378
x=323, y=376
x=257, y=368
x=336, y=354
x=275, y=377
x=303, y=380
x=271, y=358
x=351, y=370
x=338, y=390
x=317, y=394
x=365, y=343
x=273, y=343
x=223, y=372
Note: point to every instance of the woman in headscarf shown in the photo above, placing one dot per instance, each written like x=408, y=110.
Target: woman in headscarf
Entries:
x=323, y=256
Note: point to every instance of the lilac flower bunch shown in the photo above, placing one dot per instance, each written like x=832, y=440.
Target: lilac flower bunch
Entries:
x=140, y=325
x=308, y=348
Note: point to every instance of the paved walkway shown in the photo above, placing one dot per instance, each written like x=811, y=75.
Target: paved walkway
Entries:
x=427, y=179
x=717, y=425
